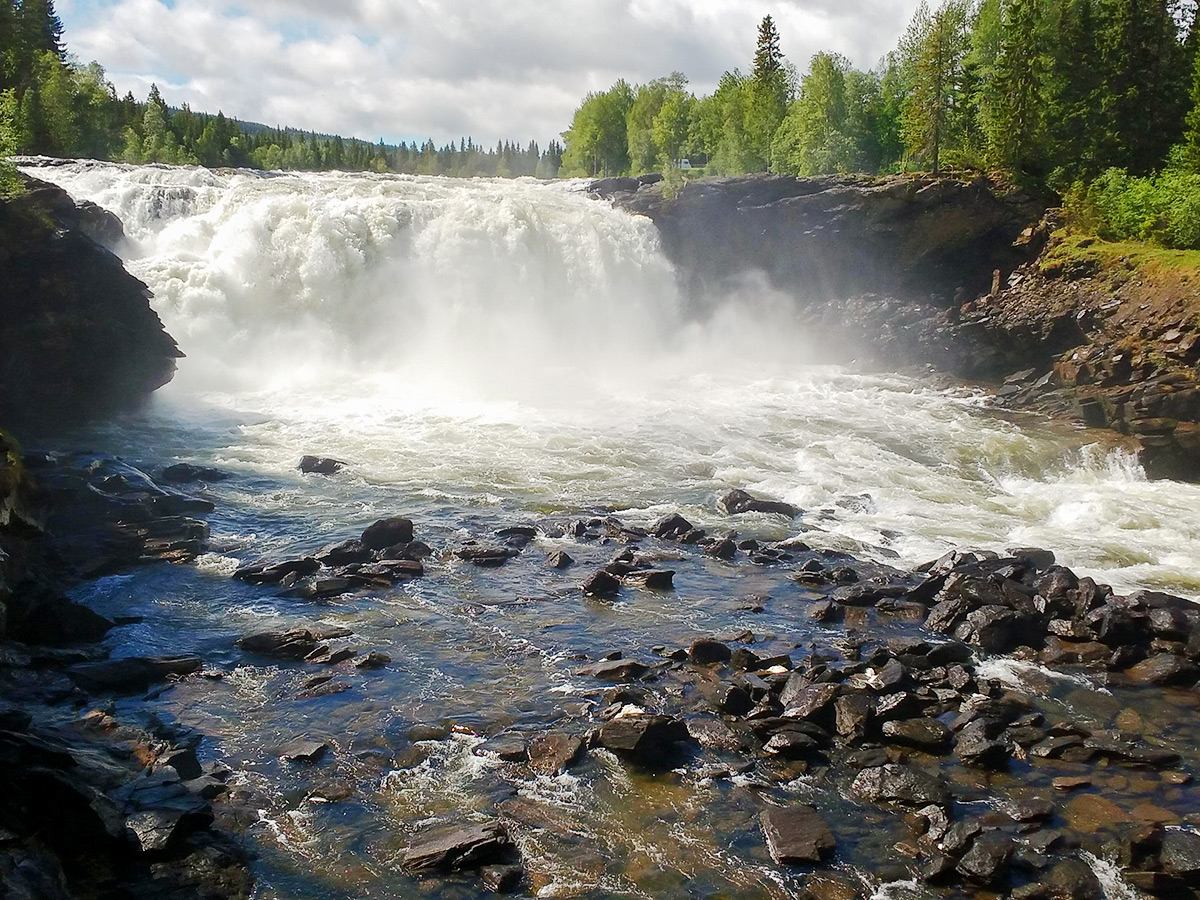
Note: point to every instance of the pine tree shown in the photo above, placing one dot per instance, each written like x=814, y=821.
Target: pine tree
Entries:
x=768, y=59
x=1012, y=103
x=934, y=49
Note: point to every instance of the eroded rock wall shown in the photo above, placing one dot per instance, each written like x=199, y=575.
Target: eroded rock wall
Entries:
x=78, y=337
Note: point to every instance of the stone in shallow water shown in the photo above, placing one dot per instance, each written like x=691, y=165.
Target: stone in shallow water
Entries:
x=706, y=651
x=459, y=847
x=320, y=465
x=303, y=750
x=294, y=644
x=387, y=533
x=131, y=674
x=1164, y=669
x=601, y=584
x=738, y=501
x=559, y=559
x=653, y=579
x=796, y=835
x=554, y=752
x=900, y=784
x=645, y=738
x=987, y=860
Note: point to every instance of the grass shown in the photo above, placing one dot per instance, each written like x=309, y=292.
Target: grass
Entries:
x=1077, y=254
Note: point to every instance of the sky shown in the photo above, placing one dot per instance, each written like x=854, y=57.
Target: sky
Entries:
x=443, y=69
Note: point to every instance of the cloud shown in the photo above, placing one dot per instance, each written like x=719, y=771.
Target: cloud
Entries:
x=412, y=69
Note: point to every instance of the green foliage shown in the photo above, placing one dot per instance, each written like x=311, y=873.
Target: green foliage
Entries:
x=812, y=139
x=1163, y=209
x=11, y=184
x=933, y=55
x=597, y=141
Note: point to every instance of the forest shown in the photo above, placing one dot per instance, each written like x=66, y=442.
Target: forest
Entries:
x=1095, y=99
x=52, y=105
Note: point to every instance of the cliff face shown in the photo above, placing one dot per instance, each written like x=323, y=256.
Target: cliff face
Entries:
x=838, y=236
x=77, y=335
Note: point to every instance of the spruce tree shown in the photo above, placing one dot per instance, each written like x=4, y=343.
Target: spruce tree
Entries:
x=933, y=50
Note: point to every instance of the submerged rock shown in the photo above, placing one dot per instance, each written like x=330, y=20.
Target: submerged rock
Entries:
x=642, y=737
x=133, y=673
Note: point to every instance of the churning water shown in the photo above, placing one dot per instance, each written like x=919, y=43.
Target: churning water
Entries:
x=496, y=343
x=489, y=352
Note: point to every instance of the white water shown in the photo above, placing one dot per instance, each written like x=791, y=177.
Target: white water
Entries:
x=512, y=343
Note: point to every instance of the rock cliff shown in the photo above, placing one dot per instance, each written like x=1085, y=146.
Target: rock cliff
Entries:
x=910, y=237
x=78, y=337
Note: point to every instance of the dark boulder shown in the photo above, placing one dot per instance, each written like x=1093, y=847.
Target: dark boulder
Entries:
x=388, y=533
x=923, y=734
x=706, y=651
x=642, y=737
x=131, y=674
x=671, y=527
x=797, y=835
x=905, y=785
x=601, y=584
x=295, y=644
x=458, y=847
x=186, y=473
x=554, y=752
x=320, y=465
x=737, y=501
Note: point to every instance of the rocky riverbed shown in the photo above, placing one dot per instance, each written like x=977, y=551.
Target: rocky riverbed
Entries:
x=986, y=723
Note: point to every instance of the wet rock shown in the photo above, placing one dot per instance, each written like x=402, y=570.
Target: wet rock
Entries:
x=796, y=835
x=183, y=761
x=554, y=752
x=387, y=533
x=853, y=715
x=925, y=734
x=724, y=549
x=616, y=670
x=671, y=527
x=995, y=629
x=1164, y=669
x=809, y=700
x=706, y=651
x=509, y=747
x=1030, y=809
x=559, y=559
x=345, y=553
x=1181, y=855
x=733, y=700
x=790, y=745
x=373, y=660
x=642, y=737
x=973, y=747
x=738, y=501
x=304, y=750
x=131, y=674
x=831, y=886
x=1073, y=879
x=458, y=847
x=987, y=860
x=501, y=879
x=486, y=556
x=601, y=584
x=1090, y=813
x=713, y=734
x=186, y=473
x=321, y=465
x=905, y=785
x=261, y=573
x=294, y=644
x=654, y=579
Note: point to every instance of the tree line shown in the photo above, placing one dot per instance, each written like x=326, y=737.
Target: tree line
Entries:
x=1050, y=90
x=52, y=105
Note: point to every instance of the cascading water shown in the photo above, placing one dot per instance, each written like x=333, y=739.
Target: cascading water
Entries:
x=487, y=352
x=514, y=341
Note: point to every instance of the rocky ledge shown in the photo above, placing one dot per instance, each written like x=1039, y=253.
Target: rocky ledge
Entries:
x=77, y=334
x=913, y=237
x=91, y=805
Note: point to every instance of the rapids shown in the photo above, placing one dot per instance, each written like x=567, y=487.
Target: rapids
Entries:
x=503, y=343
x=490, y=352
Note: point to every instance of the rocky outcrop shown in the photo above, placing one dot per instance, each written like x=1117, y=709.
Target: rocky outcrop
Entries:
x=77, y=335
x=913, y=237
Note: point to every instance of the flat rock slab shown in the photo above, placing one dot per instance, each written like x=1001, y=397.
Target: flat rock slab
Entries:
x=135, y=673
x=459, y=847
x=796, y=835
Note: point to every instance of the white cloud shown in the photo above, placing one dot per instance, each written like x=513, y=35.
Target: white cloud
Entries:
x=410, y=69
